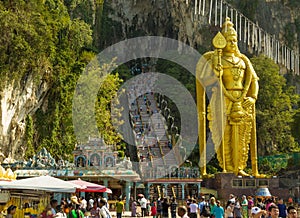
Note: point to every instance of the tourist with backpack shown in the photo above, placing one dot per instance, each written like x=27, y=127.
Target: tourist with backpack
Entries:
x=205, y=212
x=201, y=204
x=237, y=213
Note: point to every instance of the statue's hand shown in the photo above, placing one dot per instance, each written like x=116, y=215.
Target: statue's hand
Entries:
x=249, y=101
x=219, y=70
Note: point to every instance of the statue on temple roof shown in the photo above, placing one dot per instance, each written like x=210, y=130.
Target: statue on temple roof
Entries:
x=41, y=160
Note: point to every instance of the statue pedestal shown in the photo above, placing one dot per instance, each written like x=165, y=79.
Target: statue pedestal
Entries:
x=229, y=183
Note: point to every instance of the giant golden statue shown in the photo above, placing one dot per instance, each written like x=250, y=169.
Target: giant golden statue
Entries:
x=231, y=110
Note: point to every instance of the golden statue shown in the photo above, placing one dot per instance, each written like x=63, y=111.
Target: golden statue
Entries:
x=231, y=110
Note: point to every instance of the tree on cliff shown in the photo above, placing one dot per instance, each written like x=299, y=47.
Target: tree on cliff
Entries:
x=275, y=109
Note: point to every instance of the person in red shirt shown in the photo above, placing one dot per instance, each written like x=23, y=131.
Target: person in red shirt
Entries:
x=250, y=205
x=153, y=209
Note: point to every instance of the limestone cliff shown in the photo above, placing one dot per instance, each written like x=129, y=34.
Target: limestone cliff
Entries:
x=153, y=17
x=176, y=19
x=277, y=17
x=18, y=99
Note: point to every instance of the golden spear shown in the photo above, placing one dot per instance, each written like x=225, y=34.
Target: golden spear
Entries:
x=219, y=42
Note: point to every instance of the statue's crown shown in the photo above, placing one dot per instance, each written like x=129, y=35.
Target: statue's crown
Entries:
x=227, y=28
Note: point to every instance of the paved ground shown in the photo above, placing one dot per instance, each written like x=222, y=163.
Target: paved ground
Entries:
x=125, y=214
x=128, y=214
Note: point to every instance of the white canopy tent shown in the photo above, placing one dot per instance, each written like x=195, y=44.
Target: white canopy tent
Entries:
x=41, y=183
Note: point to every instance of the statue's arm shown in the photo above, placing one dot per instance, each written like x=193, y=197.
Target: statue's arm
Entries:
x=253, y=90
x=252, y=93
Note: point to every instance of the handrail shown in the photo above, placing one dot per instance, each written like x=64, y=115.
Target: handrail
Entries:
x=173, y=191
x=158, y=190
x=255, y=37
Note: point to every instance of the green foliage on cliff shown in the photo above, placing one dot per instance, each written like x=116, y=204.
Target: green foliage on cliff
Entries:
x=40, y=39
x=29, y=137
x=104, y=113
x=275, y=109
x=58, y=118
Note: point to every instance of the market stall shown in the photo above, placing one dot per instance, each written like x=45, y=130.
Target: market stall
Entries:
x=41, y=183
x=32, y=195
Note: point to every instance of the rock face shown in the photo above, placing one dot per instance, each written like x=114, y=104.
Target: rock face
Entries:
x=176, y=19
x=131, y=18
x=156, y=18
x=274, y=16
x=18, y=99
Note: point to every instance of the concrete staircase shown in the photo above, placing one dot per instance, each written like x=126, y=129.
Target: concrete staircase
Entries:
x=150, y=130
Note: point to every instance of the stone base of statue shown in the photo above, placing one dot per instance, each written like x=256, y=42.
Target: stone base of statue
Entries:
x=228, y=183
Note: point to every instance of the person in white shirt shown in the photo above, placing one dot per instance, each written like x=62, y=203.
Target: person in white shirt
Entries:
x=83, y=204
x=91, y=202
x=229, y=209
x=232, y=198
x=106, y=203
x=104, y=212
x=193, y=209
x=60, y=212
x=143, y=202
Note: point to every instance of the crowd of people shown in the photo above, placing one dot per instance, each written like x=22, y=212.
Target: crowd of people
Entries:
x=155, y=208
x=234, y=207
x=166, y=207
x=78, y=208
x=245, y=207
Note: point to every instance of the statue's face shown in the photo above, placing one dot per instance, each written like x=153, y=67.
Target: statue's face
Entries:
x=232, y=44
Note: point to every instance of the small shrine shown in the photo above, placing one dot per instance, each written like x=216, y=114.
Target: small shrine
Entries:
x=95, y=153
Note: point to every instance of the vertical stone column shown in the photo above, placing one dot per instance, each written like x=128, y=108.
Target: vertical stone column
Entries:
x=147, y=190
x=199, y=189
x=127, y=192
x=105, y=183
x=166, y=189
x=182, y=191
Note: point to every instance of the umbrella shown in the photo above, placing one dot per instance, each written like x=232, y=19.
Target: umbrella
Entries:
x=42, y=183
x=84, y=186
x=263, y=192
